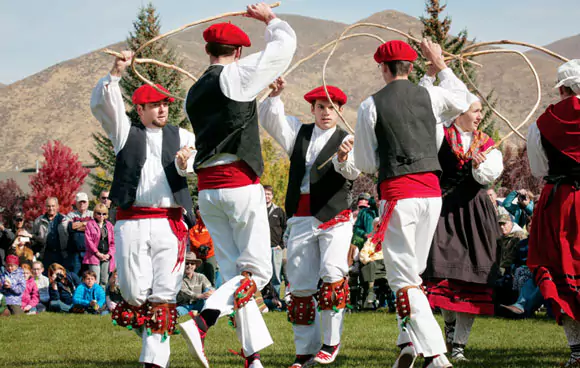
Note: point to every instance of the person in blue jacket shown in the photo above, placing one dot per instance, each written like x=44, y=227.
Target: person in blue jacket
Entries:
x=523, y=209
x=89, y=297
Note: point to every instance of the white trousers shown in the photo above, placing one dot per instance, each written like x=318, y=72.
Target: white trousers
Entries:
x=315, y=254
x=146, y=255
x=463, y=323
x=237, y=220
x=406, y=248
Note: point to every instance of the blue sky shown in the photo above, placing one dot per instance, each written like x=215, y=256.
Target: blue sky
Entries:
x=38, y=34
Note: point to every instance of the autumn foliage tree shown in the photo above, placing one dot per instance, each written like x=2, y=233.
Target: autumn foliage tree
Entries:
x=61, y=176
x=276, y=170
x=11, y=199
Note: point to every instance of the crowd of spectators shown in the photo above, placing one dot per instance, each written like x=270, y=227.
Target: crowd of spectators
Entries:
x=66, y=262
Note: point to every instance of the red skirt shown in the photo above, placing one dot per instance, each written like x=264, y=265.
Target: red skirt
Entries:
x=554, y=249
x=460, y=296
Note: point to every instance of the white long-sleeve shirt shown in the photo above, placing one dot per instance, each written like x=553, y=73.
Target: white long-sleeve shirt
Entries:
x=536, y=153
x=243, y=80
x=284, y=129
x=447, y=100
x=108, y=107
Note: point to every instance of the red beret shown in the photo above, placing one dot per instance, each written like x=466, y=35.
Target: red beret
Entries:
x=147, y=94
x=226, y=34
x=12, y=259
x=318, y=93
x=395, y=50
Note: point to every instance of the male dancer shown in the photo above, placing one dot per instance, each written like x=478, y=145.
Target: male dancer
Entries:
x=554, y=244
x=222, y=109
x=150, y=188
x=317, y=201
x=395, y=134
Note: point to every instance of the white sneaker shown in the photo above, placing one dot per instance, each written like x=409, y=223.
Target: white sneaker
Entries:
x=194, y=338
x=406, y=357
x=440, y=362
x=256, y=364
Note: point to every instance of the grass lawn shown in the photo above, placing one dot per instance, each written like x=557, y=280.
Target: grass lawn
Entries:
x=52, y=340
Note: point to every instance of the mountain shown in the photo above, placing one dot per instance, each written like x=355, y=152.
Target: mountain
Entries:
x=568, y=47
x=54, y=103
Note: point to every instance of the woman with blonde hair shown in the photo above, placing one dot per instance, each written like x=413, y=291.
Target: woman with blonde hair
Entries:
x=100, y=244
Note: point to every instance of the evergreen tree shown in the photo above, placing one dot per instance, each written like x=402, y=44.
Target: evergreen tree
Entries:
x=61, y=176
x=146, y=27
x=437, y=29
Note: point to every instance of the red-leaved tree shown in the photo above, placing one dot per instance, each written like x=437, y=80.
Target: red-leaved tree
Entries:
x=61, y=176
x=11, y=200
x=516, y=170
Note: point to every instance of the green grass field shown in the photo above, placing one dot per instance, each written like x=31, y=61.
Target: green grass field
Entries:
x=51, y=340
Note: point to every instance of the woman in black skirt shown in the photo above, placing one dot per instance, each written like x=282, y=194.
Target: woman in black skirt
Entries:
x=462, y=264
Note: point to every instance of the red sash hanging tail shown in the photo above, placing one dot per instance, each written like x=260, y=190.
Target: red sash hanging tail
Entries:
x=421, y=185
x=174, y=215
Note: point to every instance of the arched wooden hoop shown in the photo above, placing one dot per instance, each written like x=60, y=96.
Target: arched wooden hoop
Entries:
x=170, y=33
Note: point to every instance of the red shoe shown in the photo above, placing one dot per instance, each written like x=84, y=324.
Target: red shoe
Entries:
x=194, y=331
x=327, y=357
x=303, y=361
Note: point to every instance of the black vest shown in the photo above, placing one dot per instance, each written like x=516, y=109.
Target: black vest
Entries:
x=329, y=190
x=456, y=184
x=222, y=125
x=560, y=164
x=130, y=161
x=405, y=130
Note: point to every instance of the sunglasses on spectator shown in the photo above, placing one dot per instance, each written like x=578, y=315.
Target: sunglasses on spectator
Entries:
x=101, y=213
x=104, y=197
x=18, y=219
x=189, y=263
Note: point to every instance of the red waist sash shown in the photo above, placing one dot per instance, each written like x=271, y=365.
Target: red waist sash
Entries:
x=303, y=210
x=234, y=175
x=173, y=215
x=421, y=185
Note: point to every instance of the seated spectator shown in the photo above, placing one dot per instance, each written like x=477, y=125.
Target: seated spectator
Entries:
x=271, y=299
x=89, y=297
x=30, y=297
x=522, y=209
x=113, y=294
x=202, y=246
x=373, y=275
x=42, y=285
x=100, y=245
x=13, y=284
x=511, y=236
x=195, y=288
x=62, y=288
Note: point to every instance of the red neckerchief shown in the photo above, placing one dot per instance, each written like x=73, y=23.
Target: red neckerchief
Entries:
x=480, y=143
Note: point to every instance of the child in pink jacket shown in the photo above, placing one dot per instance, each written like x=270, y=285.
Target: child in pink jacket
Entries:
x=30, y=297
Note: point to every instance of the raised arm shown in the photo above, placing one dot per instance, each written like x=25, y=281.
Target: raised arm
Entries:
x=243, y=80
x=271, y=113
x=449, y=98
x=365, y=141
x=107, y=104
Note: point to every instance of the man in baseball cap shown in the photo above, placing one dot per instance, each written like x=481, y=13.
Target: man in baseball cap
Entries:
x=554, y=243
